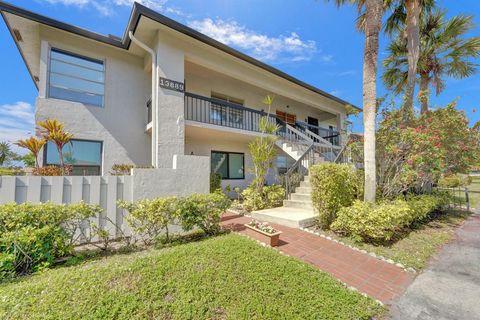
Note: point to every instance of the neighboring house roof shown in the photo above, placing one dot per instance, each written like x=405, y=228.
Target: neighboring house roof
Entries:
x=138, y=11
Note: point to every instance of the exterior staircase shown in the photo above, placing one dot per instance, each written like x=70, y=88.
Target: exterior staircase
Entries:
x=301, y=197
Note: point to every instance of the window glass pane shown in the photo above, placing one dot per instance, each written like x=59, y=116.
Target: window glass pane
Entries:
x=80, y=72
x=77, y=153
x=235, y=166
x=82, y=97
x=71, y=58
x=219, y=164
x=75, y=84
x=85, y=171
x=75, y=78
x=281, y=162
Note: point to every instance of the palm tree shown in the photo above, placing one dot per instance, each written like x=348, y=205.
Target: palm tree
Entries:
x=53, y=131
x=34, y=145
x=405, y=21
x=4, y=152
x=371, y=25
x=444, y=52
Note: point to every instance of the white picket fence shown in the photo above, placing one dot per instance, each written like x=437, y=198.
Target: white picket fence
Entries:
x=102, y=190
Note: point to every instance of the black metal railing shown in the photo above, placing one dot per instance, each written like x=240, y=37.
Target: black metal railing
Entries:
x=222, y=113
x=218, y=112
x=330, y=135
x=149, y=111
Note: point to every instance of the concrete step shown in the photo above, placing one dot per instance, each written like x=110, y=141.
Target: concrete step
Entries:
x=306, y=178
x=290, y=217
x=303, y=190
x=305, y=184
x=302, y=204
x=301, y=196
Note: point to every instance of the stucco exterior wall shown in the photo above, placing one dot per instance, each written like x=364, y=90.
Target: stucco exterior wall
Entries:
x=187, y=175
x=204, y=147
x=120, y=124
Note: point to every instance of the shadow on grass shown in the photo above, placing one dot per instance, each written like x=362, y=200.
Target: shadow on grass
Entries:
x=90, y=253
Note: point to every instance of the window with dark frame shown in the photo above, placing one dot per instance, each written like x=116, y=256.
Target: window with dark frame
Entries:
x=230, y=165
x=218, y=113
x=76, y=78
x=85, y=156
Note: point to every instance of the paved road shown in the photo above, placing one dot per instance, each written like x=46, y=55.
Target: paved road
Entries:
x=450, y=287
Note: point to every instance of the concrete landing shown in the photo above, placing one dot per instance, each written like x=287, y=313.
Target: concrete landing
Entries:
x=286, y=216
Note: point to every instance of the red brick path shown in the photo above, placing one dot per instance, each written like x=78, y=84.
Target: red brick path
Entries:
x=378, y=279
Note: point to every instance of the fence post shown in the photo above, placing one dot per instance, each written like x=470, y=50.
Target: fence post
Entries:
x=467, y=199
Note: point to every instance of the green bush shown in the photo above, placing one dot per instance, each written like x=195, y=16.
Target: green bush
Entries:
x=149, y=218
x=383, y=221
x=271, y=197
x=203, y=211
x=33, y=236
x=215, y=181
x=334, y=186
x=455, y=180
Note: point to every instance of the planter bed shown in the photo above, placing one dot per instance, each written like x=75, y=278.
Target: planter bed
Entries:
x=271, y=239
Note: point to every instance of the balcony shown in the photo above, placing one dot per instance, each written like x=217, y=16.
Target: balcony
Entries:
x=221, y=113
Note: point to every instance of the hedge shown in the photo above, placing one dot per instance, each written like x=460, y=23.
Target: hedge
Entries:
x=383, y=221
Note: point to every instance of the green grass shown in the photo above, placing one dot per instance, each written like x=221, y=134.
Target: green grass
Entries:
x=475, y=194
x=227, y=277
x=418, y=246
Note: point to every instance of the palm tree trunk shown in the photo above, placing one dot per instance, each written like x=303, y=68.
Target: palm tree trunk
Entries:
x=413, y=46
x=424, y=94
x=373, y=25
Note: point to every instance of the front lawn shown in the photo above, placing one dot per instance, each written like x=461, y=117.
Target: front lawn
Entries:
x=227, y=277
x=415, y=249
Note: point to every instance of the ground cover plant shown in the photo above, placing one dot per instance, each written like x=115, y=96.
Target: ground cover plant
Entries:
x=226, y=277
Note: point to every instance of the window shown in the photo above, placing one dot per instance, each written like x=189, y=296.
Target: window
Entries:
x=85, y=156
x=288, y=118
x=282, y=164
x=76, y=78
x=233, y=117
x=230, y=165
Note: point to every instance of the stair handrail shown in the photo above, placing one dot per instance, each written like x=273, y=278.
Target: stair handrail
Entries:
x=296, y=165
x=343, y=149
x=289, y=129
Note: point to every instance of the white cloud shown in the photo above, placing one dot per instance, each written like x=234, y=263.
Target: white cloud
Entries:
x=16, y=122
x=282, y=48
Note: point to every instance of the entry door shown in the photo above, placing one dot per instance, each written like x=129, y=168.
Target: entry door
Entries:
x=313, y=122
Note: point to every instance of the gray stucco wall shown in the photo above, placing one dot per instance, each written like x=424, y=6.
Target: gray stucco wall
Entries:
x=120, y=124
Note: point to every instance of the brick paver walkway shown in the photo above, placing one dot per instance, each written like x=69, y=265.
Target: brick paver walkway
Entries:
x=376, y=278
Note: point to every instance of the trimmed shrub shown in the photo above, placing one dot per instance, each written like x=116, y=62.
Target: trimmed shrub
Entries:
x=203, y=211
x=334, y=186
x=33, y=236
x=150, y=218
x=383, y=221
x=271, y=197
x=455, y=180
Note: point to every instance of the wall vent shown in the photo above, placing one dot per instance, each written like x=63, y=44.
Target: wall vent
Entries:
x=17, y=34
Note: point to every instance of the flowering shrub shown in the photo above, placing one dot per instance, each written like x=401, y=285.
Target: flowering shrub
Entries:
x=262, y=226
x=53, y=171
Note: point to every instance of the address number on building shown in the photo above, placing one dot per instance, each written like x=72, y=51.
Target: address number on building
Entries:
x=171, y=84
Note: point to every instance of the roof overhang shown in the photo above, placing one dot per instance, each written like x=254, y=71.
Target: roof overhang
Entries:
x=137, y=13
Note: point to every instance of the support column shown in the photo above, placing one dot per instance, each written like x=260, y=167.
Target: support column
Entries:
x=170, y=104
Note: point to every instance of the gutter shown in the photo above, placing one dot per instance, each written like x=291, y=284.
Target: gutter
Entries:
x=154, y=96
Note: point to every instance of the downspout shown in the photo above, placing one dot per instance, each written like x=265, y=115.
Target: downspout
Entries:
x=154, y=97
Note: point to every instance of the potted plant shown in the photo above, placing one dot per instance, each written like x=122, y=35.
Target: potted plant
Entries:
x=263, y=232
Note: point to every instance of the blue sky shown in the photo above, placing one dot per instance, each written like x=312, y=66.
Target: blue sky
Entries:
x=309, y=39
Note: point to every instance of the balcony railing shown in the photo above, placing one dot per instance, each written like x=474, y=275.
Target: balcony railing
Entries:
x=222, y=113
x=226, y=114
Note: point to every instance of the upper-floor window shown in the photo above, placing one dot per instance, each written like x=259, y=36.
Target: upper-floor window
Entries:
x=230, y=116
x=76, y=78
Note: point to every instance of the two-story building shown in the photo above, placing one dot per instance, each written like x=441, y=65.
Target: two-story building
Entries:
x=161, y=90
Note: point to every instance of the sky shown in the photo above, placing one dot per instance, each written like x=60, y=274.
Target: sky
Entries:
x=312, y=40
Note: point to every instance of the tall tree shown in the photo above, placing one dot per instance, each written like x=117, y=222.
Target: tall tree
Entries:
x=405, y=19
x=372, y=11
x=444, y=52
x=6, y=154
